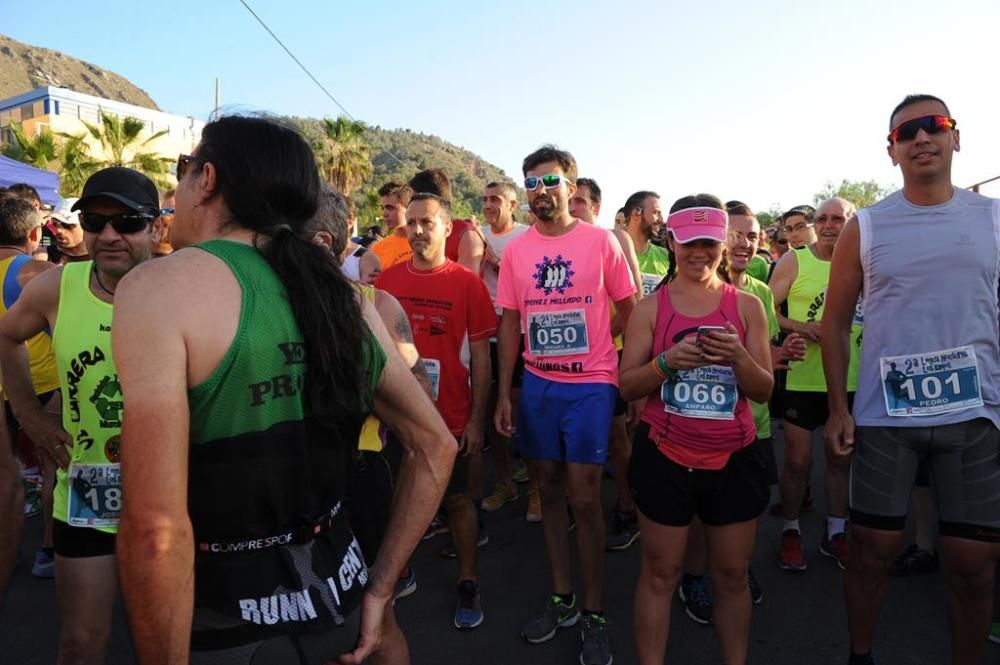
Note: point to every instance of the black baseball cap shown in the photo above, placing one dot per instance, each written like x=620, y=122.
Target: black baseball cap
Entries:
x=126, y=186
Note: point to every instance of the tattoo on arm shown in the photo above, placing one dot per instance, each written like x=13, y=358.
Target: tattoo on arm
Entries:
x=403, y=330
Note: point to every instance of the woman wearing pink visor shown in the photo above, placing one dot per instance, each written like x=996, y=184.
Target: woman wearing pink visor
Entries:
x=698, y=350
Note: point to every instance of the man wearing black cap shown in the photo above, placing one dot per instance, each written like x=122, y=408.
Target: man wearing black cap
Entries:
x=117, y=212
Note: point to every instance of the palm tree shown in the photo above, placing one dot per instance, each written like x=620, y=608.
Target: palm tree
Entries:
x=121, y=144
x=344, y=157
x=75, y=164
x=38, y=151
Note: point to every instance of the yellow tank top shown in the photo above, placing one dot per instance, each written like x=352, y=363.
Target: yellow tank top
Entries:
x=369, y=438
x=806, y=302
x=44, y=375
x=89, y=493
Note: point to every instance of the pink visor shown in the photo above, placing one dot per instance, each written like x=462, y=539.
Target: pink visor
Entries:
x=698, y=224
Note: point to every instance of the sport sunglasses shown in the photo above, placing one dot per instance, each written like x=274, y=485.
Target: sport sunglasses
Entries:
x=550, y=181
x=932, y=124
x=129, y=222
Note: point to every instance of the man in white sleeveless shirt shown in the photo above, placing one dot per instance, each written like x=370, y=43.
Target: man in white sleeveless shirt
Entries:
x=929, y=378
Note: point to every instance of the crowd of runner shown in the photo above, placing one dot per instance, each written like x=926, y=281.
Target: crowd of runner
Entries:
x=252, y=467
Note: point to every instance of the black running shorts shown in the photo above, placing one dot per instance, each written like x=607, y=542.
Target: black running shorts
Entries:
x=964, y=464
x=671, y=494
x=809, y=410
x=80, y=542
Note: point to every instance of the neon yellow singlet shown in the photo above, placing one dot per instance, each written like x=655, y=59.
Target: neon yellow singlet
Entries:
x=44, y=375
x=92, y=403
x=806, y=302
x=369, y=438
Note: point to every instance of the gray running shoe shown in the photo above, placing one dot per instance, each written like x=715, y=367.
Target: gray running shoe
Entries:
x=623, y=533
x=556, y=615
x=596, y=646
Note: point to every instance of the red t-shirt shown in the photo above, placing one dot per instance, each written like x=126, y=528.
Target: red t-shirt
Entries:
x=448, y=307
x=459, y=227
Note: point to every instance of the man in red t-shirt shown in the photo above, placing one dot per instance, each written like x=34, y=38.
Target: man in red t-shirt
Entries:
x=453, y=319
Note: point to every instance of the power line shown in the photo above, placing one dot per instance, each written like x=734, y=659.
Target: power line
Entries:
x=308, y=73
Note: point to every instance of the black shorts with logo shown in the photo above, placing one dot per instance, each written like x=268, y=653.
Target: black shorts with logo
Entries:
x=518, y=366
x=672, y=494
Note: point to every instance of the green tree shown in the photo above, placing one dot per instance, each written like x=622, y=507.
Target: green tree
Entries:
x=344, y=158
x=122, y=144
x=75, y=164
x=38, y=150
x=861, y=193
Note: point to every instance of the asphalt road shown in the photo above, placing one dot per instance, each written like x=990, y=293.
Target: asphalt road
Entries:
x=801, y=621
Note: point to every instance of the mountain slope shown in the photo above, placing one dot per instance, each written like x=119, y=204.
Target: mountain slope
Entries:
x=24, y=67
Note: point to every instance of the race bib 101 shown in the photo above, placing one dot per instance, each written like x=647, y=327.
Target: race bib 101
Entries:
x=95, y=495
x=931, y=383
x=558, y=333
x=704, y=392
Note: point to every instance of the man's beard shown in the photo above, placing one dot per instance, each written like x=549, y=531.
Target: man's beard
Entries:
x=545, y=213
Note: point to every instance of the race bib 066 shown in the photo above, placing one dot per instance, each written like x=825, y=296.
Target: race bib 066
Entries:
x=704, y=392
x=931, y=383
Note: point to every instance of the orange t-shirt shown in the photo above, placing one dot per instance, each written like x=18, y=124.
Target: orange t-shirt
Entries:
x=391, y=250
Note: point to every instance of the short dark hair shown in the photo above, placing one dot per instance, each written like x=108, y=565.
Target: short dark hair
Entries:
x=738, y=208
x=507, y=188
x=806, y=211
x=26, y=191
x=331, y=216
x=432, y=181
x=636, y=201
x=916, y=99
x=550, y=153
x=592, y=187
x=17, y=218
x=400, y=190
x=442, y=201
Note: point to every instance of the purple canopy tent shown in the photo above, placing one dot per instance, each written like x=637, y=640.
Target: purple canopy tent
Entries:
x=13, y=172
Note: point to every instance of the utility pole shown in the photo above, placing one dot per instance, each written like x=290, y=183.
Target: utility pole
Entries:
x=218, y=93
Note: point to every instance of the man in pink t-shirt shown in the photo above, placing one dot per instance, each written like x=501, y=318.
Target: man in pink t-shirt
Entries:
x=558, y=280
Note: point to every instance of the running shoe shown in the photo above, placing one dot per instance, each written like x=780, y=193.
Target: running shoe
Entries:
x=534, y=512
x=468, y=609
x=520, y=474
x=596, y=645
x=504, y=493
x=44, y=565
x=914, y=561
x=623, y=533
x=995, y=632
x=448, y=551
x=694, y=592
x=791, y=556
x=437, y=526
x=756, y=593
x=556, y=615
x=406, y=585
x=837, y=548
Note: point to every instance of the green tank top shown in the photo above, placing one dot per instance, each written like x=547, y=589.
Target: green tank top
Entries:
x=653, y=264
x=265, y=479
x=761, y=411
x=806, y=302
x=89, y=493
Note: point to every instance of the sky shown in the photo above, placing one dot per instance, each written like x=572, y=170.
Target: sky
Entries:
x=761, y=101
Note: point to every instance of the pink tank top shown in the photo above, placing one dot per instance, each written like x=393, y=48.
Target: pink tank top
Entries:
x=699, y=418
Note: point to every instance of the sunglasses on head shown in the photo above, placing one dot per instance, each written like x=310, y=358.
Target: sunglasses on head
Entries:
x=128, y=222
x=184, y=163
x=549, y=181
x=931, y=124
